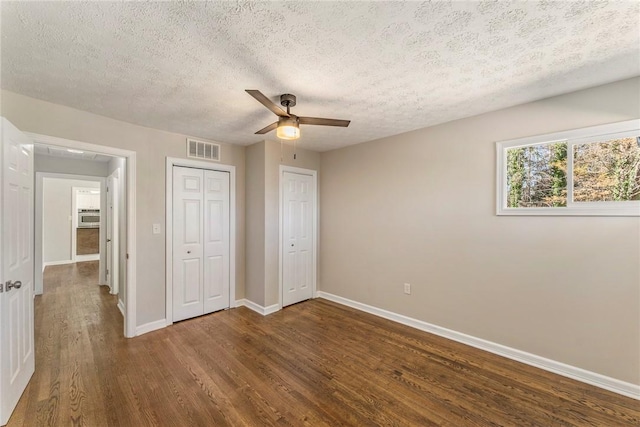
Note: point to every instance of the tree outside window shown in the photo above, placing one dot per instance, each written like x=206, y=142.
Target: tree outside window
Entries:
x=575, y=173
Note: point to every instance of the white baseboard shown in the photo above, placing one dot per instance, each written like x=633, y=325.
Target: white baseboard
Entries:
x=151, y=326
x=90, y=257
x=579, y=374
x=121, y=306
x=48, y=263
x=257, y=307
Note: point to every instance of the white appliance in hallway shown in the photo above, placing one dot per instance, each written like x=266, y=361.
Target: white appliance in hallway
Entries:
x=298, y=251
x=17, y=355
x=88, y=218
x=201, y=230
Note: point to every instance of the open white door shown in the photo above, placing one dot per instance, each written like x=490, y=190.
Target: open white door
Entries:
x=17, y=358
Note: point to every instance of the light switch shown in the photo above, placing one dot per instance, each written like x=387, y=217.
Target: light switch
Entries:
x=156, y=228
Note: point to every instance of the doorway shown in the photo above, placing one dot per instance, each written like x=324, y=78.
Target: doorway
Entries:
x=86, y=220
x=126, y=164
x=56, y=223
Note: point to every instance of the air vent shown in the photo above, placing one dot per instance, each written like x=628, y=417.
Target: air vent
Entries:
x=203, y=150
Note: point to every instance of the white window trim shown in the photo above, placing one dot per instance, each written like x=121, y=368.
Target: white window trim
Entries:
x=572, y=137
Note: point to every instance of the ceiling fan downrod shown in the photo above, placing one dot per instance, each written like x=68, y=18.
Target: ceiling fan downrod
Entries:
x=287, y=100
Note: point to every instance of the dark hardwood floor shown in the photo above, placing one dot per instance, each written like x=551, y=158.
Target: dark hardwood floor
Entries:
x=315, y=364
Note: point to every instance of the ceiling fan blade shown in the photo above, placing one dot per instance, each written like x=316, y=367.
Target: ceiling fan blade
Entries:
x=259, y=96
x=323, y=122
x=267, y=129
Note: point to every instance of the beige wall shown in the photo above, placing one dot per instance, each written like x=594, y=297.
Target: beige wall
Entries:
x=263, y=222
x=152, y=147
x=254, y=285
x=420, y=208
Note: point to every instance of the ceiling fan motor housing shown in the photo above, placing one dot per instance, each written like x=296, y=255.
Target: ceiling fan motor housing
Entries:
x=288, y=100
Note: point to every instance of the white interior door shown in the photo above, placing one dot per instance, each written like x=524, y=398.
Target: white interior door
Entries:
x=17, y=361
x=109, y=220
x=216, y=241
x=113, y=233
x=188, y=232
x=298, y=252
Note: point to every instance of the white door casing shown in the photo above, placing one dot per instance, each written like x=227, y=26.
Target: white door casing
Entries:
x=17, y=356
x=187, y=243
x=216, y=241
x=128, y=219
x=108, y=210
x=298, y=237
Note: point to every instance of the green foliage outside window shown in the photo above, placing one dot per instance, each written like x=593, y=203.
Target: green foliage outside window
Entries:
x=607, y=171
x=602, y=171
x=537, y=176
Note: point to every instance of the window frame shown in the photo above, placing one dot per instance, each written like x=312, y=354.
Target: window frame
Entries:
x=573, y=137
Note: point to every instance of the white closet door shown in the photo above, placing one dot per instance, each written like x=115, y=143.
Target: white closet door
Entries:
x=216, y=241
x=188, y=232
x=297, y=263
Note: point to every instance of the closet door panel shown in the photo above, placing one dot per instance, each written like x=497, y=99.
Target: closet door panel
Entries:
x=216, y=244
x=188, y=229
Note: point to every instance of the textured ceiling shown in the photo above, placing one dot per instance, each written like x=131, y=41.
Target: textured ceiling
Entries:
x=389, y=67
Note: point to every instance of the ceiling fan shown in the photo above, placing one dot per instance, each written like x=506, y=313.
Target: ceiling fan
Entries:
x=288, y=124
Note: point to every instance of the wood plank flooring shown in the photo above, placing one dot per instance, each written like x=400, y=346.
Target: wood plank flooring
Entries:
x=313, y=364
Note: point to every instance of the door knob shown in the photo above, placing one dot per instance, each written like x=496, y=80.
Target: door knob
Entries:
x=188, y=252
x=17, y=284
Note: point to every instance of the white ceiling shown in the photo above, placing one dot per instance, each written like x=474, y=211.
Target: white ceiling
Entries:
x=46, y=150
x=390, y=67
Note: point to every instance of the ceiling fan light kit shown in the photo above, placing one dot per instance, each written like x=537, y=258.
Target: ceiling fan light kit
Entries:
x=288, y=128
x=288, y=124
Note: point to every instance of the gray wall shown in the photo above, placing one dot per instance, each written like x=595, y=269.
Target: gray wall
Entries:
x=151, y=147
x=420, y=208
x=56, y=218
x=71, y=166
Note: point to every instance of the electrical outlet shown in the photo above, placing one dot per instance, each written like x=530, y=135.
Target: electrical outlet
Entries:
x=407, y=288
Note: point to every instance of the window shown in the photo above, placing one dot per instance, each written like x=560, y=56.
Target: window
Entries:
x=591, y=171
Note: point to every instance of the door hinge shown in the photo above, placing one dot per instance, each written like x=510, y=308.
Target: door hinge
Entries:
x=1, y=287
x=127, y=256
